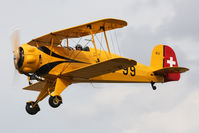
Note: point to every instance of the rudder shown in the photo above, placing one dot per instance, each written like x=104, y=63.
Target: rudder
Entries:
x=163, y=56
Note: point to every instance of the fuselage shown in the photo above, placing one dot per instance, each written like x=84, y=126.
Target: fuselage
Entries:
x=55, y=61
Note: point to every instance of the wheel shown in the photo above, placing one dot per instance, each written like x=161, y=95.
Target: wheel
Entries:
x=154, y=87
x=55, y=101
x=30, y=109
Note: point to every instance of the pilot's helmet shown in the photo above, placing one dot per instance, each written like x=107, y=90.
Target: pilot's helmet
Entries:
x=78, y=47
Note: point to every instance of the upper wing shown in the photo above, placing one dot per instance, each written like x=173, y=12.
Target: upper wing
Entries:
x=170, y=70
x=79, y=31
x=101, y=68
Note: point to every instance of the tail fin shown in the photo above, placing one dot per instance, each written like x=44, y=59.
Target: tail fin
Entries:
x=163, y=57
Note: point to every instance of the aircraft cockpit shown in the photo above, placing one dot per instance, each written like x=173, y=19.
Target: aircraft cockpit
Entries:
x=79, y=47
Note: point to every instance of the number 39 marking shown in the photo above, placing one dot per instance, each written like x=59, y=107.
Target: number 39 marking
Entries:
x=131, y=69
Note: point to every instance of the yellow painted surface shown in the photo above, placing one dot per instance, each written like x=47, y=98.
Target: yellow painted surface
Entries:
x=157, y=57
x=138, y=73
x=79, y=31
x=60, y=86
x=31, y=59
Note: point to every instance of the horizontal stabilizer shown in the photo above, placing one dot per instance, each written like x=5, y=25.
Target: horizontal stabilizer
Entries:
x=35, y=87
x=170, y=70
x=101, y=68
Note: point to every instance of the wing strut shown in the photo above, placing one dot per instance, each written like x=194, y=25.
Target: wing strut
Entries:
x=37, y=44
x=93, y=40
x=51, y=45
x=106, y=41
x=67, y=43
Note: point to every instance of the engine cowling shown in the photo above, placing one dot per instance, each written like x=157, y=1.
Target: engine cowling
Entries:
x=28, y=59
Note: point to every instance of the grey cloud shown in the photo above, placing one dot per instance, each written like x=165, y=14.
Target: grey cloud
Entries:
x=185, y=22
x=113, y=108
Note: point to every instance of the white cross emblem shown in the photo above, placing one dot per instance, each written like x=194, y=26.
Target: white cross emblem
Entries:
x=171, y=62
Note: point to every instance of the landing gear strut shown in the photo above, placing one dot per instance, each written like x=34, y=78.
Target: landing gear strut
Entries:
x=32, y=108
x=55, y=101
x=153, y=86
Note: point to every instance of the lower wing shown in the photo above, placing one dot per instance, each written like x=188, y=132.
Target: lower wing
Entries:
x=101, y=68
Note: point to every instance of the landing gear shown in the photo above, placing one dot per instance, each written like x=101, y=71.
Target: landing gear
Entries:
x=48, y=87
x=32, y=108
x=55, y=101
x=153, y=86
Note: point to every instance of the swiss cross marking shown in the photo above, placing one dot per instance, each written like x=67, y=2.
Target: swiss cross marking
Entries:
x=171, y=62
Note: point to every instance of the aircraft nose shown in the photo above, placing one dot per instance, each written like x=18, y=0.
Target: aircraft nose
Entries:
x=18, y=58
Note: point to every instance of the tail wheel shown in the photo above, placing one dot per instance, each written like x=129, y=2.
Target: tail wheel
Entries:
x=153, y=86
x=32, y=108
x=55, y=101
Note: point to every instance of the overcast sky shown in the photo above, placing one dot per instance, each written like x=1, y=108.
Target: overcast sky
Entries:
x=106, y=108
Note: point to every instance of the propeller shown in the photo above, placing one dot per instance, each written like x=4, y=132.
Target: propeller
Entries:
x=15, y=50
x=19, y=58
x=15, y=46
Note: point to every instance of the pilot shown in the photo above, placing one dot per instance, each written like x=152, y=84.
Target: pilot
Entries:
x=78, y=47
x=86, y=48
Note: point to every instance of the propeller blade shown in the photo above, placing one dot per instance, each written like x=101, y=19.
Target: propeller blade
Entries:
x=15, y=45
x=15, y=40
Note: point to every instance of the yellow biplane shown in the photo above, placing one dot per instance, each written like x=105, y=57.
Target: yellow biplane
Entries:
x=55, y=66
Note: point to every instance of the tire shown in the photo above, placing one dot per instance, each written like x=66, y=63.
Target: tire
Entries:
x=55, y=101
x=30, y=110
x=154, y=87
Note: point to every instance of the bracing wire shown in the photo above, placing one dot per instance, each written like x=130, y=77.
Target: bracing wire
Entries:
x=66, y=66
x=77, y=53
x=102, y=46
x=79, y=40
x=74, y=41
x=101, y=38
x=117, y=43
x=101, y=43
x=84, y=46
x=92, y=84
x=112, y=42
